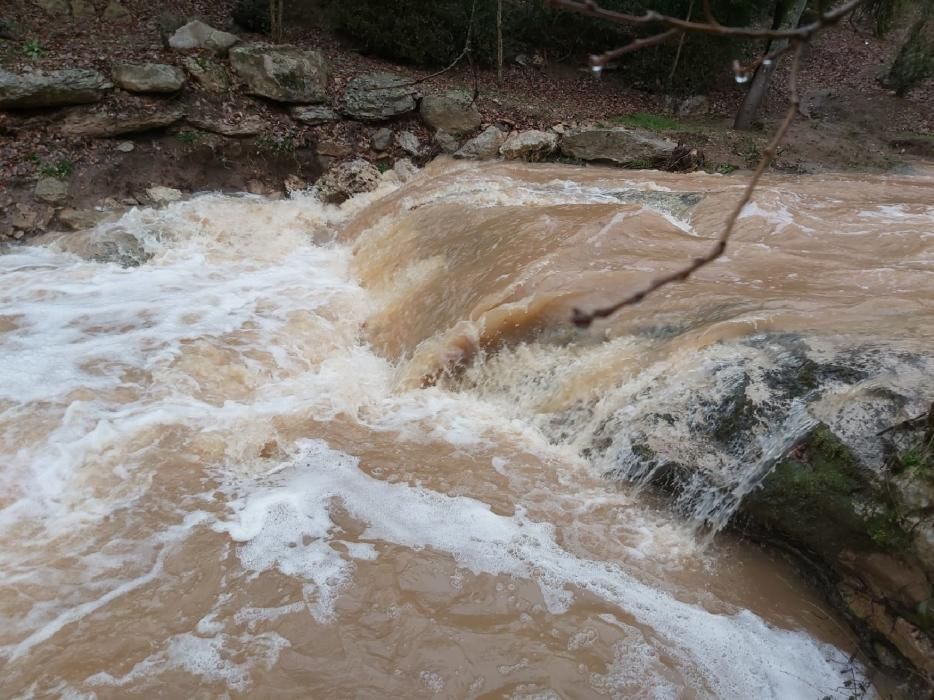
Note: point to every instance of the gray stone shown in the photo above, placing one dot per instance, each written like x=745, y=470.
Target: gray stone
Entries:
x=148, y=77
x=531, y=145
x=24, y=218
x=313, y=115
x=347, y=179
x=56, y=8
x=378, y=97
x=126, y=146
x=483, y=146
x=71, y=86
x=281, y=73
x=103, y=124
x=381, y=139
x=116, y=12
x=404, y=169
x=208, y=74
x=453, y=112
x=163, y=195
x=409, y=143
x=51, y=190
x=83, y=219
x=616, y=144
x=248, y=126
x=693, y=106
x=198, y=35
x=446, y=142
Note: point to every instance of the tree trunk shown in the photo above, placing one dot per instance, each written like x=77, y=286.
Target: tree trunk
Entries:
x=788, y=16
x=915, y=59
x=499, y=41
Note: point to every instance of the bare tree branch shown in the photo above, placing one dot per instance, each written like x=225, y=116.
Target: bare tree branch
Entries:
x=584, y=319
x=592, y=9
x=468, y=45
x=634, y=45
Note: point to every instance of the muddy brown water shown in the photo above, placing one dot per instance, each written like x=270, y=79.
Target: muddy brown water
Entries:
x=245, y=467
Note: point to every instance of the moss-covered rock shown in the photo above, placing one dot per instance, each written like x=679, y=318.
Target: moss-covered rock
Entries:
x=860, y=532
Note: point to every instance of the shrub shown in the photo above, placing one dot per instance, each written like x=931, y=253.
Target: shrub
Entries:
x=252, y=15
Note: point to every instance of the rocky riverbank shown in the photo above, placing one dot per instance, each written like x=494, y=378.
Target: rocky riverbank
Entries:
x=186, y=104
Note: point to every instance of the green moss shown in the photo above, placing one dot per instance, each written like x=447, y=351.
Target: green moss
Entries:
x=821, y=497
x=640, y=164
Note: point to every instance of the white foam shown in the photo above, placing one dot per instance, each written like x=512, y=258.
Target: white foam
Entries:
x=733, y=655
x=209, y=658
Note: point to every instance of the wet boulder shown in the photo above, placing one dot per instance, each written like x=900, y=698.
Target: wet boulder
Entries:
x=281, y=73
x=483, y=146
x=531, y=145
x=454, y=112
x=616, y=144
x=32, y=89
x=148, y=77
x=378, y=97
x=347, y=179
x=867, y=535
x=819, y=449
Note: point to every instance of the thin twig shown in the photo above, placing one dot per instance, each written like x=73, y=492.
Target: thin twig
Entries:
x=637, y=44
x=583, y=319
x=592, y=9
x=468, y=41
x=674, y=64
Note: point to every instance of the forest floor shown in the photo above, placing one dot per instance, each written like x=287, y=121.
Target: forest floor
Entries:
x=850, y=121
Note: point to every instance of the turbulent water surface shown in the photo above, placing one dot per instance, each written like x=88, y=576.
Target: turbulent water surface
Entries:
x=271, y=448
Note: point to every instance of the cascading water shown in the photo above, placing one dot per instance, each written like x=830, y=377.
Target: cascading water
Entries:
x=269, y=447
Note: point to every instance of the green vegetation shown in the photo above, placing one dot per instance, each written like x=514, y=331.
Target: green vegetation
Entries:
x=820, y=496
x=61, y=169
x=33, y=49
x=188, y=137
x=722, y=168
x=276, y=145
